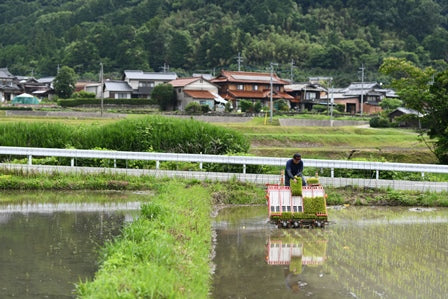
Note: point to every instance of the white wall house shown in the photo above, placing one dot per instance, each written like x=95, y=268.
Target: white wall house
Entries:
x=142, y=83
x=197, y=90
x=117, y=90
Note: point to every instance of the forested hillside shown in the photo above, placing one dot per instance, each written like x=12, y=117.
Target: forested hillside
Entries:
x=325, y=37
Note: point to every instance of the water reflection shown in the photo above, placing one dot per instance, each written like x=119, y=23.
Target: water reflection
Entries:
x=44, y=253
x=295, y=253
x=364, y=253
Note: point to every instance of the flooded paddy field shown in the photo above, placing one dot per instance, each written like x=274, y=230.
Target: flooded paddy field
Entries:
x=45, y=249
x=366, y=252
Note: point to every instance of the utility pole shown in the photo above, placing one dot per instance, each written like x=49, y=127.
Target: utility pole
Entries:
x=271, y=91
x=102, y=88
x=362, y=87
x=165, y=68
x=292, y=67
x=239, y=59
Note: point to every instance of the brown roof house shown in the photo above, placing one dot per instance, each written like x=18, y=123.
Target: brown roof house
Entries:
x=252, y=86
x=197, y=89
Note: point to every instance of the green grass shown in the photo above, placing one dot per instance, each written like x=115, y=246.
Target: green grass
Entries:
x=163, y=254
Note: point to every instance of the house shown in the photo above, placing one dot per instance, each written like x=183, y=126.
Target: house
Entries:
x=117, y=90
x=306, y=95
x=44, y=88
x=8, y=85
x=407, y=117
x=197, y=89
x=93, y=88
x=142, y=83
x=235, y=86
x=367, y=94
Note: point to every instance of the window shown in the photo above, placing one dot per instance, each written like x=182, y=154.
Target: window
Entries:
x=255, y=87
x=310, y=96
x=240, y=87
x=121, y=95
x=372, y=99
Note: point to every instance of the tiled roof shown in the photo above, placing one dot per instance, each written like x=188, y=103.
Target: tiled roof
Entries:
x=363, y=85
x=4, y=73
x=247, y=94
x=118, y=86
x=199, y=94
x=140, y=75
x=303, y=86
x=248, y=77
x=181, y=82
x=259, y=94
x=46, y=80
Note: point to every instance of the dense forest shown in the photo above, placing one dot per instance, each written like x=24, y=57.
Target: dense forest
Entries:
x=305, y=37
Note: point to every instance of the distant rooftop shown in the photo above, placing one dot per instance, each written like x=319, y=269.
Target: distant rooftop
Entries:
x=140, y=75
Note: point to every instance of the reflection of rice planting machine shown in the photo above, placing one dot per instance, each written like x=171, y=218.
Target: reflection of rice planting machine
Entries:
x=297, y=206
x=296, y=252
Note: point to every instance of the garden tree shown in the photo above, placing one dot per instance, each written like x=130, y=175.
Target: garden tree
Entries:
x=422, y=90
x=165, y=96
x=389, y=104
x=64, y=83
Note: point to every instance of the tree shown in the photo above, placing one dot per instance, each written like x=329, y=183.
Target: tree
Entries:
x=64, y=83
x=421, y=90
x=165, y=96
x=437, y=115
x=390, y=104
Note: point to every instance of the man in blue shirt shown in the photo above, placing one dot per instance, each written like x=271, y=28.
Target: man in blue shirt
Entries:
x=294, y=167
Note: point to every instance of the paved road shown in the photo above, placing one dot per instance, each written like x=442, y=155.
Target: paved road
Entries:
x=261, y=179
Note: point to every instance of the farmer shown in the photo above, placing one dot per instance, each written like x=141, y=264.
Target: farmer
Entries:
x=294, y=167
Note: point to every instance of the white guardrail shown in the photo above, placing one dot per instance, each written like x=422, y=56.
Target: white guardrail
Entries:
x=31, y=152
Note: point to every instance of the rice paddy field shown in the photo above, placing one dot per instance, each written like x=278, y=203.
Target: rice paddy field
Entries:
x=272, y=140
x=351, y=142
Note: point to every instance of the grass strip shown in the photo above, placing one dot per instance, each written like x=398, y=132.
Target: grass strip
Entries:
x=163, y=254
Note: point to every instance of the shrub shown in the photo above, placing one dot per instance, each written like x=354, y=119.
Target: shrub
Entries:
x=205, y=108
x=84, y=95
x=281, y=105
x=379, y=122
x=246, y=106
x=193, y=107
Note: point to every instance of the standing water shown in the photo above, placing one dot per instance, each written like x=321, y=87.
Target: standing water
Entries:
x=45, y=249
x=365, y=252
